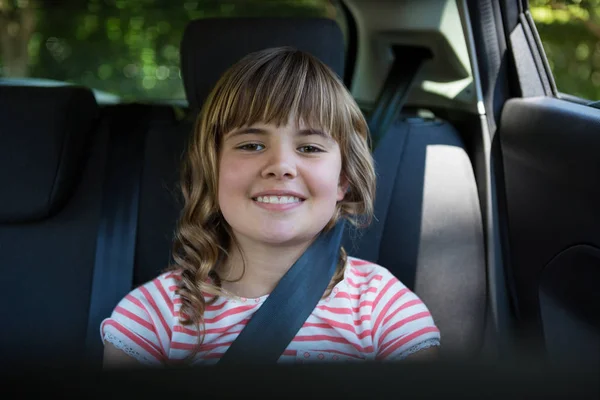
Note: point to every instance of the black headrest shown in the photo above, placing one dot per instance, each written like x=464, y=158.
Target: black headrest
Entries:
x=210, y=46
x=43, y=132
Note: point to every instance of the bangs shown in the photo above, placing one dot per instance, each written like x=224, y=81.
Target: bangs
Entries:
x=271, y=87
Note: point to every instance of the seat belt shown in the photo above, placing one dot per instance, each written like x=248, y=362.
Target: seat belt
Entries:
x=388, y=157
x=117, y=232
x=272, y=328
x=407, y=63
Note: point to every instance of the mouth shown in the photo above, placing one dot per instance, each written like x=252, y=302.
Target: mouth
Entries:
x=278, y=199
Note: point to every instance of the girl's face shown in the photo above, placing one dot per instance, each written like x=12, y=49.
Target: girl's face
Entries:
x=279, y=185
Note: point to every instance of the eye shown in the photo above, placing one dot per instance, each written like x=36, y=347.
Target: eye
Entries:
x=251, y=147
x=309, y=149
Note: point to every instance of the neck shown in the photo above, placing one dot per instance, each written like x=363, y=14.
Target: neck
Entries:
x=253, y=270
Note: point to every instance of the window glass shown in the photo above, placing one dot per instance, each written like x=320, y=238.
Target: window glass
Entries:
x=570, y=33
x=125, y=48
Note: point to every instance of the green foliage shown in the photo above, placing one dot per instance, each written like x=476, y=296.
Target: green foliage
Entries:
x=131, y=47
x=570, y=33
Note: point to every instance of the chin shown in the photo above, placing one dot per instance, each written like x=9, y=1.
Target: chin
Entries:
x=279, y=233
x=282, y=235
x=282, y=238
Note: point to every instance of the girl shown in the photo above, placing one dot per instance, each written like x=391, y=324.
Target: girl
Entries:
x=280, y=152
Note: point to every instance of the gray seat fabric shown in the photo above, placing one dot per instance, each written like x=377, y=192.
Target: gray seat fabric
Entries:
x=52, y=174
x=52, y=160
x=203, y=61
x=160, y=200
x=428, y=227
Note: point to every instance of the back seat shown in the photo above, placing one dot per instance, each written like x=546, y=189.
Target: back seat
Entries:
x=55, y=146
x=430, y=237
x=52, y=159
x=428, y=228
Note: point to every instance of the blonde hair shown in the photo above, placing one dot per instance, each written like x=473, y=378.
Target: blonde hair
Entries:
x=266, y=86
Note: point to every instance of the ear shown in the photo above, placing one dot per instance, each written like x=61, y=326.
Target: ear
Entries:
x=343, y=187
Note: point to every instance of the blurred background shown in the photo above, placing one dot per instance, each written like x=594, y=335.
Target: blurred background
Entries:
x=129, y=49
x=570, y=32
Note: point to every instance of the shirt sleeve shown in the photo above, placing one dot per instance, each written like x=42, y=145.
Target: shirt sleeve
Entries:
x=139, y=324
x=403, y=324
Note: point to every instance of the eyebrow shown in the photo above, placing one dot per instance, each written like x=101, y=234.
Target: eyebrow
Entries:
x=245, y=131
x=309, y=132
x=259, y=131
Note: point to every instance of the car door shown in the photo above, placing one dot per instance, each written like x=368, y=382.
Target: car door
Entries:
x=544, y=186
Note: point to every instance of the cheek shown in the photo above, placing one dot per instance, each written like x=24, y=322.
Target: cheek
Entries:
x=325, y=180
x=231, y=177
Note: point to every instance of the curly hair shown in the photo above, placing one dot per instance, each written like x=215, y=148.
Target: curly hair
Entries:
x=266, y=86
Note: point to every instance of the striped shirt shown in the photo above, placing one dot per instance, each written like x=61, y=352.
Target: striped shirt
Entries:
x=369, y=315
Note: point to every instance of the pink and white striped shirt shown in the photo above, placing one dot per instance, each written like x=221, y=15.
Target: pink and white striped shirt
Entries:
x=369, y=315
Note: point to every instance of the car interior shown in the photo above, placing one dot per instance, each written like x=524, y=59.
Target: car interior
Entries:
x=487, y=195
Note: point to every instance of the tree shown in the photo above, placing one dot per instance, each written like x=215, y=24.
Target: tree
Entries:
x=17, y=24
x=125, y=47
x=570, y=34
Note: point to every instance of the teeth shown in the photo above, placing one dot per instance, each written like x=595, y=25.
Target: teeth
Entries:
x=277, y=199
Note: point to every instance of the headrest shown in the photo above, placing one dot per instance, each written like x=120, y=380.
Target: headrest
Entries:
x=210, y=46
x=43, y=131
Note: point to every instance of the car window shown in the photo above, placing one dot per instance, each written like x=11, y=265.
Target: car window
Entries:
x=124, y=49
x=570, y=33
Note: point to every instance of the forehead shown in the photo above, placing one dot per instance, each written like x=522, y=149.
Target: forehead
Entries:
x=292, y=124
x=272, y=129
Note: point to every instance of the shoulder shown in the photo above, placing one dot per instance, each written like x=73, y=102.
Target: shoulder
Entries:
x=374, y=284
x=141, y=324
x=161, y=289
x=401, y=322
x=151, y=301
x=368, y=274
x=389, y=298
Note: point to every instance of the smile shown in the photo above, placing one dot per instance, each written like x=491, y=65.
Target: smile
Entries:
x=277, y=199
x=278, y=203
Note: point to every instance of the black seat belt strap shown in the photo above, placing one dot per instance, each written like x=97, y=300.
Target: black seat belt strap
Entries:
x=272, y=328
x=405, y=68
x=407, y=63
x=117, y=233
x=388, y=157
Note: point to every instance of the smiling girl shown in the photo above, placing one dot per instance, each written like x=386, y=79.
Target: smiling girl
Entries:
x=279, y=154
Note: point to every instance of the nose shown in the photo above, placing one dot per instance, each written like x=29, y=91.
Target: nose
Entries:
x=280, y=164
